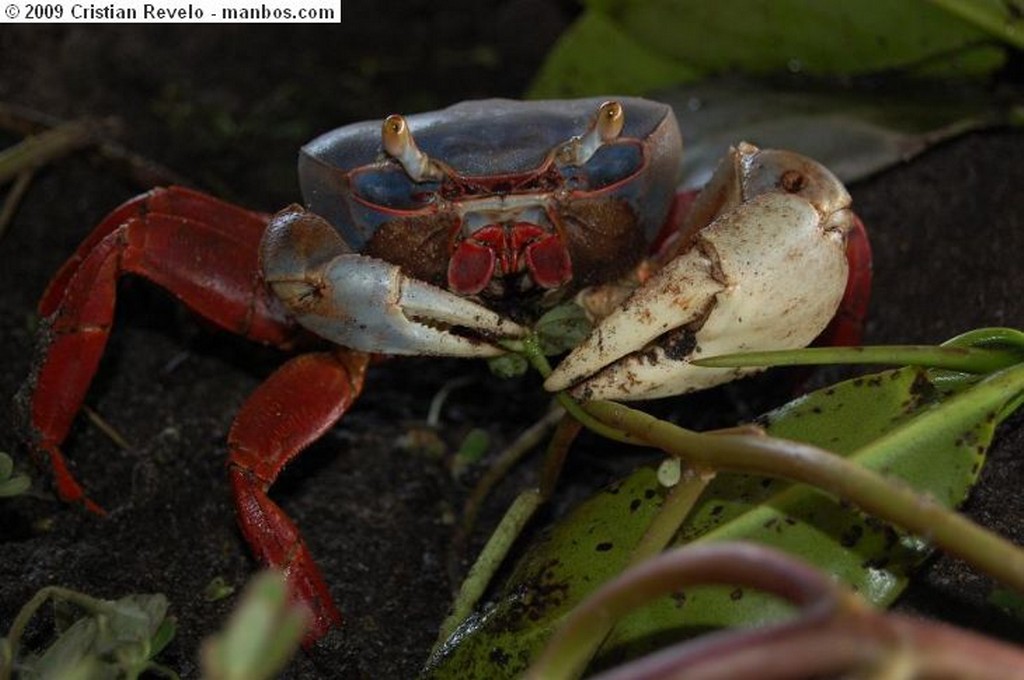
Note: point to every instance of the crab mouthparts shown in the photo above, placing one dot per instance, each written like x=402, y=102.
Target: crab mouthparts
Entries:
x=503, y=250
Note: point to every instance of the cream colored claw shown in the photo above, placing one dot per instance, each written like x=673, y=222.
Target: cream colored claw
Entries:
x=766, y=272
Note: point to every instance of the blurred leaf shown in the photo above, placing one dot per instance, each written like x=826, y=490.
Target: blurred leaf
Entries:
x=473, y=448
x=1002, y=19
x=508, y=365
x=854, y=132
x=114, y=639
x=631, y=47
x=595, y=56
x=594, y=542
x=261, y=636
x=1009, y=601
x=11, y=484
x=217, y=589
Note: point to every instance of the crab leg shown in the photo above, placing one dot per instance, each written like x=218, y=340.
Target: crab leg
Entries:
x=291, y=410
x=191, y=244
x=369, y=304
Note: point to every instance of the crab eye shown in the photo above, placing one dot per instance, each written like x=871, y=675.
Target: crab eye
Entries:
x=392, y=188
x=613, y=163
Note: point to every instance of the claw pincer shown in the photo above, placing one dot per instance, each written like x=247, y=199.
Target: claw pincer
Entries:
x=365, y=303
x=759, y=263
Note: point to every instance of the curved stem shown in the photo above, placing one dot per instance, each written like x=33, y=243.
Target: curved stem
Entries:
x=509, y=529
x=530, y=349
x=731, y=563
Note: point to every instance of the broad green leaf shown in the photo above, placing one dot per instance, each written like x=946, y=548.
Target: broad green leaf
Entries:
x=876, y=420
x=635, y=47
x=596, y=56
x=853, y=132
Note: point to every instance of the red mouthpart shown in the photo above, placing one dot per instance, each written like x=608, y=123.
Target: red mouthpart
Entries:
x=498, y=250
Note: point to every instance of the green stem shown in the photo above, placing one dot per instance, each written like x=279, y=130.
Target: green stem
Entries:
x=490, y=558
x=509, y=529
x=38, y=150
x=13, y=199
x=670, y=516
x=497, y=471
x=664, y=525
x=964, y=359
x=749, y=565
x=868, y=490
x=530, y=349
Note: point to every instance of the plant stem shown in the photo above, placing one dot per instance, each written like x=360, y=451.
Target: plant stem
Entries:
x=672, y=513
x=509, y=529
x=40, y=149
x=732, y=563
x=490, y=558
x=529, y=348
x=963, y=359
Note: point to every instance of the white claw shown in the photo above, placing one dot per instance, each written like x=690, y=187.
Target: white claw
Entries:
x=370, y=305
x=767, y=274
x=675, y=296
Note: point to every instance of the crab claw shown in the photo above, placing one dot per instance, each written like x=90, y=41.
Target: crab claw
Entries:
x=759, y=263
x=369, y=304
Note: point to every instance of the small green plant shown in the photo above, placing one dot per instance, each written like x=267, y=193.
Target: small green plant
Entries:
x=118, y=639
x=115, y=639
x=11, y=483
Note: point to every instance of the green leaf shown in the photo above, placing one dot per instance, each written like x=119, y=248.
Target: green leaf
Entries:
x=902, y=422
x=1012, y=603
x=634, y=47
x=262, y=634
x=853, y=131
x=596, y=56
x=11, y=484
x=508, y=365
x=562, y=328
x=217, y=589
x=473, y=447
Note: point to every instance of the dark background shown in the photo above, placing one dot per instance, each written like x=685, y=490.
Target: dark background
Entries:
x=226, y=108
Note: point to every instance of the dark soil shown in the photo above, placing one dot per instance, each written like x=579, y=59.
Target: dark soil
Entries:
x=226, y=108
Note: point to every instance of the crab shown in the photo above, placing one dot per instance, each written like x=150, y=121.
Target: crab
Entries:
x=454, y=243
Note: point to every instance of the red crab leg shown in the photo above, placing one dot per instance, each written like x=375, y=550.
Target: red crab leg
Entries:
x=847, y=327
x=244, y=226
x=203, y=250
x=292, y=409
